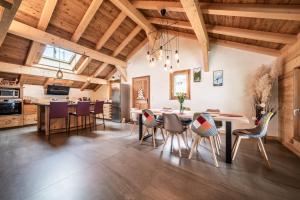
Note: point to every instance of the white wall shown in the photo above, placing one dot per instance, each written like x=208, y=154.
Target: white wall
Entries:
x=238, y=65
x=38, y=92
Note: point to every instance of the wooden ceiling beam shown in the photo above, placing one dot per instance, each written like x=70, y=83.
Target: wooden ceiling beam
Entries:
x=108, y=33
x=230, y=31
x=194, y=14
x=5, y=4
x=280, y=12
x=48, y=73
x=137, y=17
x=136, y=49
x=84, y=86
x=42, y=25
x=100, y=69
x=28, y=32
x=88, y=16
x=7, y=18
x=236, y=45
x=83, y=65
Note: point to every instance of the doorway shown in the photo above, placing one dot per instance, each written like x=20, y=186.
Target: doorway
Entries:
x=141, y=92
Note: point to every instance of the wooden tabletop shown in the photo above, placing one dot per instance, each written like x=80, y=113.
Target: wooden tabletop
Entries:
x=189, y=115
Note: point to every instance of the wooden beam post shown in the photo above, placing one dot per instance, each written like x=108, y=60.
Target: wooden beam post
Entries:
x=7, y=18
x=194, y=14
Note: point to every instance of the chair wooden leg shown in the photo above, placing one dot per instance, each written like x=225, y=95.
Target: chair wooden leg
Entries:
x=167, y=137
x=103, y=120
x=162, y=134
x=185, y=141
x=172, y=138
x=194, y=145
x=264, y=153
x=69, y=121
x=234, y=144
x=49, y=130
x=143, y=135
x=236, y=147
x=216, y=144
x=213, y=151
x=76, y=119
x=66, y=125
x=153, y=138
x=179, y=149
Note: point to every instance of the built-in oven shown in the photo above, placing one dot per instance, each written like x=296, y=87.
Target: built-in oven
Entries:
x=9, y=93
x=10, y=106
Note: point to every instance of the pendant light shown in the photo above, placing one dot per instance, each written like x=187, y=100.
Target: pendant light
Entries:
x=59, y=73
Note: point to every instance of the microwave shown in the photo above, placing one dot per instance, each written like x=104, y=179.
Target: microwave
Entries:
x=9, y=93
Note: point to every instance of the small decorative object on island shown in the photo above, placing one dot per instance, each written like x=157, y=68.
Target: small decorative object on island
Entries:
x=181, y=97
x=261, y=88
x=218, y=78
x=197, y=74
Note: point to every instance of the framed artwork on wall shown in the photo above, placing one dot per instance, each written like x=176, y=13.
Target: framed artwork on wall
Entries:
x=197, y=74
x=218, y=78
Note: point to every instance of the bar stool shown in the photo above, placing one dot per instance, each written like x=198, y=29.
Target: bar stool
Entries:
x=82, y=110
x=58, y=110
x=98, y=109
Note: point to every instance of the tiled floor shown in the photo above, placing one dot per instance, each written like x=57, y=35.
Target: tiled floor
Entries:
x=112, y=164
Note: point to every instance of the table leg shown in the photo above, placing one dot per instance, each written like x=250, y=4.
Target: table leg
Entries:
x=140, y=126
x=228, y=142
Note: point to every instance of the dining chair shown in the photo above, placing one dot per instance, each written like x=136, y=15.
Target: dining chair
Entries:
x=134, y=119
x=150, y=122
x=257, y=132
x=98, y=109
x=218, y=124
x=58, y=110
x=83, y=111
x=173, y=126
x=204, y=127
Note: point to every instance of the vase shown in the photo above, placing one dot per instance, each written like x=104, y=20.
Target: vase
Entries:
x=181, y=108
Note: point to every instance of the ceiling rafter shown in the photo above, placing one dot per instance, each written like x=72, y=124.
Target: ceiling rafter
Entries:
x=137, y=48
x=108, y=77
x=280, y=12
x=7, y=18
x=88, y=16
x=193, y=11
x=28, y=32
x=230, y=31
x=42, y=25
x=241, y=46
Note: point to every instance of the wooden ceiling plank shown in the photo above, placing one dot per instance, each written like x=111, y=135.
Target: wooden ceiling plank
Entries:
x=194, y=14
x=230, y=31
x=137, y=17
x=83, y=65
x=280, y=12
x=28, y=32
x=136, y=49
x=108, y=33
x=84, y=86
x=7, y=18
x=125, y=42
x=88, y=16
x=42, y=25
x=48, y=73
x=100, y=70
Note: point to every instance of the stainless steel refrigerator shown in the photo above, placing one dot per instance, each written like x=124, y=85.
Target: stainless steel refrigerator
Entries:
x=120, y=95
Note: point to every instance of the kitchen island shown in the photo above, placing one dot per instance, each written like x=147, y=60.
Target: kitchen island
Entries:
x=58, y=125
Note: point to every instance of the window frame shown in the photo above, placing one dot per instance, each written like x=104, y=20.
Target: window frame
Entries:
x=186, y=72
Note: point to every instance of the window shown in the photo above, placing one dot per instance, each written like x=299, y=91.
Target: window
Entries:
x=55, y=57
x=180, y=82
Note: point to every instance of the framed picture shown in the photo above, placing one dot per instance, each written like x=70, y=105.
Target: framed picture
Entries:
x=197, y=74
x=218, y=78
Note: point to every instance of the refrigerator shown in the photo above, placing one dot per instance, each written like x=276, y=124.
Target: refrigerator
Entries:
x=120, y=95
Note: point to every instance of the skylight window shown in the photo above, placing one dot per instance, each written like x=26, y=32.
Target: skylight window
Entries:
x=58, y=57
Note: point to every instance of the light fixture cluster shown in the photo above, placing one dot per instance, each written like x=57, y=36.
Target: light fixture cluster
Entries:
x=165, y=48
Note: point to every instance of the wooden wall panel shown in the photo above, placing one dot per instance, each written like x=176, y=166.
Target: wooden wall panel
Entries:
x=30, y=11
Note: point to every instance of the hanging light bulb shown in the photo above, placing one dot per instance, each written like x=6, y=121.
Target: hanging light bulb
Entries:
x=59, y=74
x=165, y=67
x=148, y=55
x=177, y=63
x=152, y=62
x=176, y=55
x=160, y=53
x=171, y=69
x=168, y=60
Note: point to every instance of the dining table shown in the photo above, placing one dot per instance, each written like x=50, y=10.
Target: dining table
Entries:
x=227, y=118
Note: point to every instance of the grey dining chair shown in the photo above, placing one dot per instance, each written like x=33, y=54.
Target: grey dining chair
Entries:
x=150, y=122
x=204, y=127
x=257, y=132
x=173, y=126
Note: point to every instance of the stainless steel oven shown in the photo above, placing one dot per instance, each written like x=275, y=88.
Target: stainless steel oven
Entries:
x=9, y=93
x=10, y=106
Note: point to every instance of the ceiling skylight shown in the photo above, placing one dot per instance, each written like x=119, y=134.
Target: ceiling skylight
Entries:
x=57, y=57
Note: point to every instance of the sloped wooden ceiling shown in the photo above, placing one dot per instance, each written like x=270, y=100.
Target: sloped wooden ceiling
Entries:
x=68, y=14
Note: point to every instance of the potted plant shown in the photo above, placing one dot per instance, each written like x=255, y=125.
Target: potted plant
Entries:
x=181, y=98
